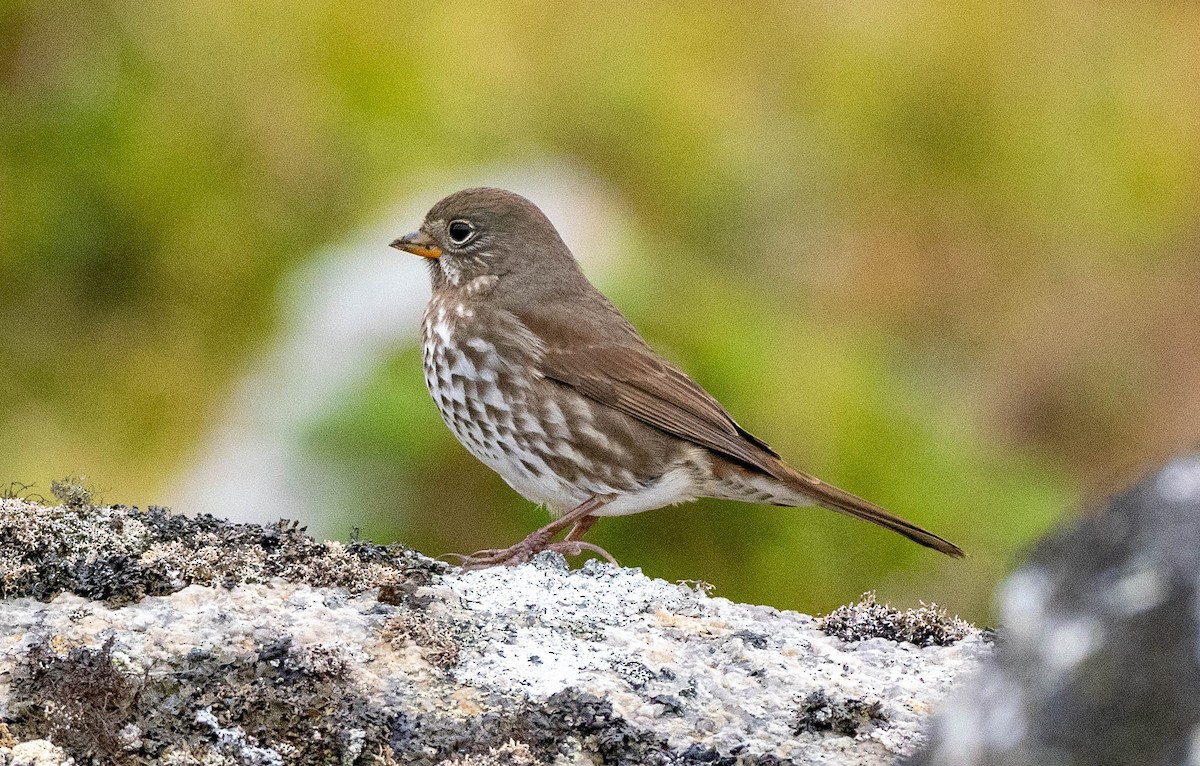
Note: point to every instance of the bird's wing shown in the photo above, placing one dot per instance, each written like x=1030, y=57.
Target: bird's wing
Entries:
x=654, y=391
x=628, y=376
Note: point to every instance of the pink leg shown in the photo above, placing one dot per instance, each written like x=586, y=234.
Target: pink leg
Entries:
x=581, y=527
x=541, y=539
x=573, y=545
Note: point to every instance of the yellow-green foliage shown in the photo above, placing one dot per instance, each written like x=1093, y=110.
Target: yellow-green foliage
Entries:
x=940, y=253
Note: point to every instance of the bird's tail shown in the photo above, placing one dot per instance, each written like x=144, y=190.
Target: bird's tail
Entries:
x=835, y=499
x=795, y=488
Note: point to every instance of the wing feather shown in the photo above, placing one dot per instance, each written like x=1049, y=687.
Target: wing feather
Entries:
x=641, y=384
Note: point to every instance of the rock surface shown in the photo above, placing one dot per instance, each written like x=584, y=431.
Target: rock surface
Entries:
x=143, y=637
x=1099, y=661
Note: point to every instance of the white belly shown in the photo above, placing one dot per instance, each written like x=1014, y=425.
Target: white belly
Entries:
x=674, y=487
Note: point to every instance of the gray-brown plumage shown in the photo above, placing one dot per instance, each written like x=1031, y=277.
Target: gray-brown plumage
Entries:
x=544, y=381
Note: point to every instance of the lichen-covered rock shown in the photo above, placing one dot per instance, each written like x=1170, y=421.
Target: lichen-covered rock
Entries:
x=120, y=554
x=137, y=638
x=1098, y=662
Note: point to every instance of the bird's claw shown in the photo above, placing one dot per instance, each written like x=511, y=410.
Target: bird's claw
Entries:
x=523, y=551
x=577, y=547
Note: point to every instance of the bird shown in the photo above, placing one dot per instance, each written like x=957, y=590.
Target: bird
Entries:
x=543, y=380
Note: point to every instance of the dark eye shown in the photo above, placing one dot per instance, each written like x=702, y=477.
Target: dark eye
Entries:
x=460, y=232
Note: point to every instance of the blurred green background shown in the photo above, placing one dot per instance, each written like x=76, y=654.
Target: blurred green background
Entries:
x=942, y=254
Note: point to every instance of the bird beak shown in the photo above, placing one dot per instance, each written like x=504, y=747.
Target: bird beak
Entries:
x=418, y=243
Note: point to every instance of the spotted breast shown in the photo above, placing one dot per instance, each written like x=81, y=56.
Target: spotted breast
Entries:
x=481, y=370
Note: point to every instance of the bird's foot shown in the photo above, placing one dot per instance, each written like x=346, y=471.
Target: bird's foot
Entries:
x=507, y=557
x=577, y=547
x=510, y=556
x=526, y=550
x=579, y=519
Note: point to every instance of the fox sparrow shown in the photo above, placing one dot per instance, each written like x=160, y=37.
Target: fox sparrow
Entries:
x=546, y=383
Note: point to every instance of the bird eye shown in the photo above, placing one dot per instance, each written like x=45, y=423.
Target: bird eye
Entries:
x=460, y=232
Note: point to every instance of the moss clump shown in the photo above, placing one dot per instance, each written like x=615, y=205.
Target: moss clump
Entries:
x=73, y=492
x=436, y=638
x=928, y=625
x=273, y=703
x=542, y=733
x=546, y=730
x=509, y=754
x=818, y=712
x=16, y=490
x=80, y=701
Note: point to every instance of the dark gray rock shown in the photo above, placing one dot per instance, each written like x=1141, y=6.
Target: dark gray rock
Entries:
x=1099, y=657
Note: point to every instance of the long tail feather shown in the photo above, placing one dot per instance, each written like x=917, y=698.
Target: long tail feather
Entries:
x=829, y=496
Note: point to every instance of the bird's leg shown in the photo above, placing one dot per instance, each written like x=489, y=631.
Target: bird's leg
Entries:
x=540, y=540
x=573, y=545
x=581, y=527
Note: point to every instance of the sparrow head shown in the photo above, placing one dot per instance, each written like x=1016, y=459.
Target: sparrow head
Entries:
x=491, y=233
